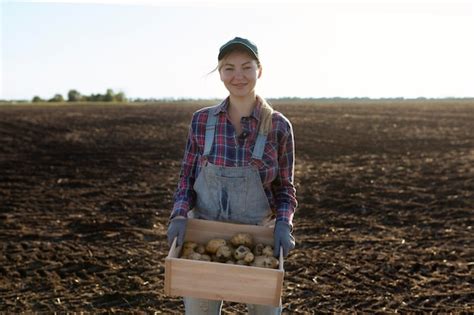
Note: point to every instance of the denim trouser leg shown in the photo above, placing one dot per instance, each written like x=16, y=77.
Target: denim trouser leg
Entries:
x=195, y=306
x=256, y=309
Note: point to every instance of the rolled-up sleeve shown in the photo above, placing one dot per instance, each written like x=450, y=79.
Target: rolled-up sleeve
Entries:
x=283, y=185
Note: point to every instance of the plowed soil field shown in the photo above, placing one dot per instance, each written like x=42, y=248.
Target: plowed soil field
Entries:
x=385, y=221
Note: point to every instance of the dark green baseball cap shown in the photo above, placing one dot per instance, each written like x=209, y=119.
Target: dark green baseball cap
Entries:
x=238, y=41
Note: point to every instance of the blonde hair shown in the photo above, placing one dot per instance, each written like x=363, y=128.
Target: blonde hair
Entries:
x=266, y=110
x=266, y=113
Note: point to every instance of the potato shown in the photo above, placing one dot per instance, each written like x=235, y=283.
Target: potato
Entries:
x=194, y=256
x=189, y=244
x=242, y=239
x=200, y=249
x=249, y=257
x=205, y=257
x=230, y=262
x=241, y=252
x=223, y=253
x=188, y=248
x=267, y=251
x=241, y=262
x=257, y=250
x=214, y=244
x=187, y=251
x=265, y=262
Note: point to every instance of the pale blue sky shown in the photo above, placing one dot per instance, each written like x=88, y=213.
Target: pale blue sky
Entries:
x=308, y=49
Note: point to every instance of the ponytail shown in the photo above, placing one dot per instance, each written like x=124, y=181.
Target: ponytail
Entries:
x=266, y=113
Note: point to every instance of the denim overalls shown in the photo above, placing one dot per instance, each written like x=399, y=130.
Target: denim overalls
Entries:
x=232, y=194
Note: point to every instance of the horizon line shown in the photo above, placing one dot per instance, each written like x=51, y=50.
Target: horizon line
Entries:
x=294, y=98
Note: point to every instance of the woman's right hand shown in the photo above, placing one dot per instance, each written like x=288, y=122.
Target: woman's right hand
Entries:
x=177, y=228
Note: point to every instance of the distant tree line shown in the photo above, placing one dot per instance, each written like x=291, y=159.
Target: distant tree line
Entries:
x=75, y=96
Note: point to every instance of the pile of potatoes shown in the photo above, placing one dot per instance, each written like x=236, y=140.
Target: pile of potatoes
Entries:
x=240, y=250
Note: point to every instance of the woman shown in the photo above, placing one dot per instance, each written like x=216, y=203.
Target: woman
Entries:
x=238, y=164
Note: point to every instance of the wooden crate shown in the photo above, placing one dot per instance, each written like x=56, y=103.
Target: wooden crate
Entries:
x=220, y=281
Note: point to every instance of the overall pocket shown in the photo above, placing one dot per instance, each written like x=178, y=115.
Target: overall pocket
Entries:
x=233, y=199
x=220, y=198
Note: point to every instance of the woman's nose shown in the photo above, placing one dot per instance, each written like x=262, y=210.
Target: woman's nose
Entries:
x=239, y=73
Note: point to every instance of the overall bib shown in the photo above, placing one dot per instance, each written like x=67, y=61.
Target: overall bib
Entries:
x=231, y=194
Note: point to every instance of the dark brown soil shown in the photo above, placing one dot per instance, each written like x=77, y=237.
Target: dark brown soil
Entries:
x=385, y=221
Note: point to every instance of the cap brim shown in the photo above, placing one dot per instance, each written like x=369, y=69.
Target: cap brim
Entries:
x=226, y=49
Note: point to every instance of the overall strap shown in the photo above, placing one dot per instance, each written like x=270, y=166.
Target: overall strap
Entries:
x=210, y=130
x=259, y=146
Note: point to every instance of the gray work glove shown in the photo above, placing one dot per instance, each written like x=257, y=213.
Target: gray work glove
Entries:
x=282, y=236
x=177, y=228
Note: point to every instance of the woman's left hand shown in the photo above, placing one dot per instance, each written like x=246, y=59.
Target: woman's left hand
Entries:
x=283, y=238
x=177, y=228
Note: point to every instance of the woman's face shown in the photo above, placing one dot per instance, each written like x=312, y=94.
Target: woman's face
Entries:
x=240, y=72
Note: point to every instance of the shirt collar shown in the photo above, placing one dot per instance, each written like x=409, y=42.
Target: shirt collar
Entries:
x=222, y=108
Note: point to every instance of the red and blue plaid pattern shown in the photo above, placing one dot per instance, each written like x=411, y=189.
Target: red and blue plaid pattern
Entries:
x=275, y=168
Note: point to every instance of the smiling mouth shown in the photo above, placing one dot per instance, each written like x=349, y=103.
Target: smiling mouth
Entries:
x=240, y=85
